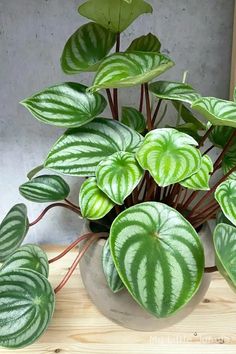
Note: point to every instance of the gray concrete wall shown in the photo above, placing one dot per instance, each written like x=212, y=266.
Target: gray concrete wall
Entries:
x=197, y=34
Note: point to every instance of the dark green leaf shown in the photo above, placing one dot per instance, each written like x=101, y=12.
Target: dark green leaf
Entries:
x=133, y=119
x=220, y=135
x=188, y=116
x=148, y=43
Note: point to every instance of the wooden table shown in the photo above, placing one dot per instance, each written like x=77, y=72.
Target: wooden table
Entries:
x=78, y=328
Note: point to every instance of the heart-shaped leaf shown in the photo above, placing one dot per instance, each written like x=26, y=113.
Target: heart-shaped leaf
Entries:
x=225, y=195
x=114, y=15
x=66, y=105
x=13, y=230
x=86, y=48
x=200, y=179
x=26, y=307
x=188, y=128
x=133, y=119
x=188, y=116
x=130, y=69
x=220, y=135
x=94, y=204
x=158, y=255
x=79, y=151
x=169, y=155
x=28, y=257
x=148, y=43
x=44, y=189
x=113, y=279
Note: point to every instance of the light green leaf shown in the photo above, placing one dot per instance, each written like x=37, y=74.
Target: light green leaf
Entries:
x=94, y=204
x=169, y=155
x=13, y=230
x=86, y=48
x=225, y=195
x=118, y=175
x=34, y=171
x=220, y=135
x=200, y=179
x=130, y=69
x=65, y=105
x=114, y=15
x=79, y=151
x=188, y=128
x=158, y=255
x=112, y=277
x=133, y=119
x=148, y=43
x=188, y=116
x=26, y=307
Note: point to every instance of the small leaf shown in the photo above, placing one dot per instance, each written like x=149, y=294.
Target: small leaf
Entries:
x=188, y=116
x=44, y=189
x=130, y=69
x=94, y=204
x=65, y=105
x=133, y=119
x=112, y=277
x=86, y=48
x=26, y=307
x=225, y=195
x=229, y=161
x=118, y=175
x=114, y=15
x=220, y=135
x=148, y=43
x=169, y=155
x=158, y=255
x=35, y=171
x=13, y=230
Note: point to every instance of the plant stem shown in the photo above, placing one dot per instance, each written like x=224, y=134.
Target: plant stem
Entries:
x=111, y=103
x=141, y=98
x=115, y=90
x=208, y=150
x=225, y=150
x=190, y=199
x=205, y=136
x=72, y=204
x=211, y=269
x=148, y=108
x=155, y=114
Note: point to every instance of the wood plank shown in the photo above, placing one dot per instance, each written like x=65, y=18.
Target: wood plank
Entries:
x=233, y=69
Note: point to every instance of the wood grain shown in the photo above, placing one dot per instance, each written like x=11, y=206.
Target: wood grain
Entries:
x=233, y=69
x=78, y=328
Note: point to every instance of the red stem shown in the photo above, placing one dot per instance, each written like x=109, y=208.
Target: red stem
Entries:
x=211, y=269
x=72, y=204
x=141, y=99
x=155, y=114
x=115, y=91
x=205, y=136
x=225, y=150
x=148, y=108
x=208, y=150
x=111, y=103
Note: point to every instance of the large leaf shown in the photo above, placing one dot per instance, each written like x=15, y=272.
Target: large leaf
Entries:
x=65, y=105
x=158, y=255
x=44, y=189
x=220, y=135
x=13, y=230
x=225, y=195
x=29, y=257
x=86, y=48
x=130, y=69
x=114, y=15
x=169, y=155
x=188, y=116
x=133, y=119
x=148, y=43
x=118, y=175
x=217, y=111
x=79, y=151
x=26, y=307
x=94, y=204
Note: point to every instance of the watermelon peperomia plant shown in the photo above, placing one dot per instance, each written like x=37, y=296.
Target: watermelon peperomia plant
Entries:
x=147, y=186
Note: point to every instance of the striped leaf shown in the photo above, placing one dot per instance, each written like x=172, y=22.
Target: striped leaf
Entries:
x=158, y=255
x=86, y=48
x=148, y=43
x=94, y=204
x=169, y=155
x=26, y=307
x=44, y=189
x=188, y=128
x=65, y=105
x=114, y=15
x=200, y=180
x=229, y=161
x=130, y=69
x=225, y=195
x=13, y=230
x=79, y=151
x=217, y=111
x=28, y=257
x=113, y=279
x=188, y=116
x=220, y=135
x=133, y=119
x=175, y=91
x=118, y=175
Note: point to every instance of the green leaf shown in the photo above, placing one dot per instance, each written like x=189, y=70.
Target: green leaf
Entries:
x=79, y=151
x=130, y=69
x=169, y=155
x=118, y=175
x=112, y=277
x=65, y=105
x=200, y=180
x=26, y=307
x=188, y=128
x=28, y=257
x=86, y=48
x=114, y=15
x=221, y=219
x=133, y=119
x=148, y=43
x=94, y=204
x=175, y=91
x=45, y=189
x=229, y=161
x=35, y=171
x=158, y=255
x=225, y=195
x=220, y=135
x=188, y=116
x=217, y=111
x=13, y=230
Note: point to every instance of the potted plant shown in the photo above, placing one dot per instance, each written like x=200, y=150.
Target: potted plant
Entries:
x=147, y=194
